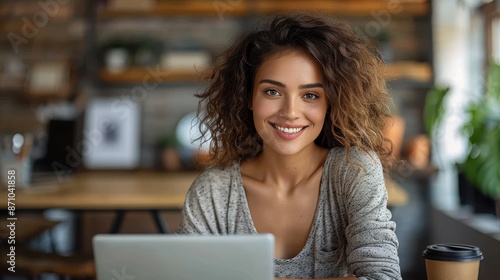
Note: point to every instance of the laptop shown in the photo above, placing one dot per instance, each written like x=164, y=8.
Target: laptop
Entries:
x=184, y=257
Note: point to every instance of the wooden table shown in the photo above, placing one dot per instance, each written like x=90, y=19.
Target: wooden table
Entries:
x=120, y=191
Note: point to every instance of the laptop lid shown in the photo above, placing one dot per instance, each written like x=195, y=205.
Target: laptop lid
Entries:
x=184, y=257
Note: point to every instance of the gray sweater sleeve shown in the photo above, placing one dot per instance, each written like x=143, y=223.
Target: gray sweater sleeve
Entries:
x=371, y=240
x=204, y=211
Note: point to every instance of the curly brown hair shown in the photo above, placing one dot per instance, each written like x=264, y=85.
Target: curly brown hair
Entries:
x=353, y=81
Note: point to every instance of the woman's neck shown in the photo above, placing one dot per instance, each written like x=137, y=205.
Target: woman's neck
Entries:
x=288, y=172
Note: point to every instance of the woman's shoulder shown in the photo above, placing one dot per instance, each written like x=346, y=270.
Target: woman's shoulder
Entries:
x=354, y=158
x=215, y=178
x=355, y=153
x=355, y=171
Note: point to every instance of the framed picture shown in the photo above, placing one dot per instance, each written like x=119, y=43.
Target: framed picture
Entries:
x=111, y=134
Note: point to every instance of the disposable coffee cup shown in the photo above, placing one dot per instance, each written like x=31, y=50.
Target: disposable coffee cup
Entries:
x=452, y=262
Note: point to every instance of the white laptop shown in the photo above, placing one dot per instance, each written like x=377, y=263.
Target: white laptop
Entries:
x=184, y=257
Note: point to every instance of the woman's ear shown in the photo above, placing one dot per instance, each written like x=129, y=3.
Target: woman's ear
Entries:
x=250, y=105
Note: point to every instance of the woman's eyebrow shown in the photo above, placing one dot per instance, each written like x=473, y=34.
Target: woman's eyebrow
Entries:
x=273, y=82
x=315, y=85
x=280, y=84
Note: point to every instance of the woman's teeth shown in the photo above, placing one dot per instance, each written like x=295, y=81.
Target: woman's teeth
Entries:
x=288, y=130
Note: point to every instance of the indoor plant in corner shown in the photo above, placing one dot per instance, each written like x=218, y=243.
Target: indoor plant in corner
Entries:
x=481, y=166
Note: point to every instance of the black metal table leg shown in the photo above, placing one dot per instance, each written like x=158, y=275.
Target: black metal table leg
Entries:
x=158, y=218
x=162, y=226
x=120, y=214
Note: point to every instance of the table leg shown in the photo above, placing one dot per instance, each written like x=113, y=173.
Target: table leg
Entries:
x=120, y=214
x=162, y=226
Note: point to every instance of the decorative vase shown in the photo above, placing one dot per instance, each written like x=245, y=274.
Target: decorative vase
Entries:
x=394, y=131
x=171, y=160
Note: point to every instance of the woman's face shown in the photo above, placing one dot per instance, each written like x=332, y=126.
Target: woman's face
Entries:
x=289, y=102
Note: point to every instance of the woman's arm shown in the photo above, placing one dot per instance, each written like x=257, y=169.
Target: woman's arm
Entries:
x=198, y=214
x=371, y=239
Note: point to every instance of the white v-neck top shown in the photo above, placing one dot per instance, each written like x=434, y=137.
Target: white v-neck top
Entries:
x=352, y=233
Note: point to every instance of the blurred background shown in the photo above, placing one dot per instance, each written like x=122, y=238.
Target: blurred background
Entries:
x=107, y=87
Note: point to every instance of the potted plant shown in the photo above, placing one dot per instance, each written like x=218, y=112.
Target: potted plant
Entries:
x=170, y=159
x=481, y=166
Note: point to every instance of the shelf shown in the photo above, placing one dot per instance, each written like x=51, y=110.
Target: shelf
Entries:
x=19, y=9
x=347, y=8
x=8, y=83
x=404, y=70
x=195, y=8
x=266, y=7
x=409, y=70
x=135, y=75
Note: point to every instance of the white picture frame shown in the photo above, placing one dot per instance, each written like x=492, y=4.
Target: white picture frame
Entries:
x=111, y=134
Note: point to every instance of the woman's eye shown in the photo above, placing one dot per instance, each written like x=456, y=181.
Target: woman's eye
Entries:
x=311, y=96
x=272, y=92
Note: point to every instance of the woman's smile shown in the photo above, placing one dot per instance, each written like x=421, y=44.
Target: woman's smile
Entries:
x=287, y=132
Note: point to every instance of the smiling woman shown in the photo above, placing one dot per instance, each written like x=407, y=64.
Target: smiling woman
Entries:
x=295, y=111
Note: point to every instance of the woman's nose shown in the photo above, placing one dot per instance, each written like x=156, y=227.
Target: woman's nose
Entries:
x=290, y=107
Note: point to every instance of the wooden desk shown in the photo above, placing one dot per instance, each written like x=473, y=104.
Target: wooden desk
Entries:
x=121, y=191
x=107, y=190
x=118, y=190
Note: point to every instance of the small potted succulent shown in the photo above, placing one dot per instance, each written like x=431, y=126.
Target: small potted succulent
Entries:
x=170, y=159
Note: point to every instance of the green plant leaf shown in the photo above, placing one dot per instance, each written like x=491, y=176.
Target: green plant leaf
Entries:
x=493, y=87
x=433, y=108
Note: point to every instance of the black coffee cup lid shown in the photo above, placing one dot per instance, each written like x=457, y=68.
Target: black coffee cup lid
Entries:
x=453, y=252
